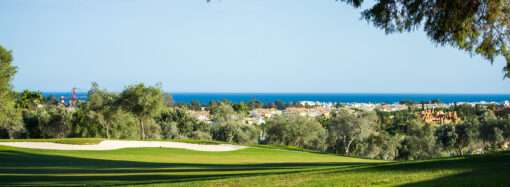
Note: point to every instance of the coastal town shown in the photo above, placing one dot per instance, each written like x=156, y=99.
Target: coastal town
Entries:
x=431, y=113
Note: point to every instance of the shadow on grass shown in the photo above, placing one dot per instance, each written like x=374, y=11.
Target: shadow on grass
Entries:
x=479, y=170
x=23, y=168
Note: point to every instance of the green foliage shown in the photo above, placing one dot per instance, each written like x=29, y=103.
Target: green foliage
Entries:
x=346, y=128
x=87, y=123
x=233, y=131
x=152, y=129
x=29, y=99
x=229, y=126
x=253, y=104
x=242, y=108
x=10, y=117
x=169, y=130
x=124, y=125
x=447, y=137
x=280, y=105
x=295, y=130
x=177, y=123
x=195, y=105
x=58, y=123
x=139, y=111
x=467, y=136
x=99, y=114
x=379, y=145
x=198, y=141
x=144, y=102
x=418, y=143
x=34, y=121
x=51, y=122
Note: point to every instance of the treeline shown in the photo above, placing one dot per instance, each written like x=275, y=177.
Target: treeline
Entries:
x=145, y=112
x=400, y=135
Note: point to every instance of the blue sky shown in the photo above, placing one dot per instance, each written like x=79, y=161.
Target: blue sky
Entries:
x=228, y=46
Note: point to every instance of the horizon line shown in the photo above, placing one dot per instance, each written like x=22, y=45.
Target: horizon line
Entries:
x=381, y=93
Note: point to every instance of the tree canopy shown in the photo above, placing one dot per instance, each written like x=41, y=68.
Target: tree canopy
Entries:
x=9, y=117
x=142, y=101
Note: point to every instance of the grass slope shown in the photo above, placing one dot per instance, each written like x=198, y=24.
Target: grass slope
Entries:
x=248, y=167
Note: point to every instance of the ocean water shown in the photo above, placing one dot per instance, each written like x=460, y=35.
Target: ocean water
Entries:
x=321, y=97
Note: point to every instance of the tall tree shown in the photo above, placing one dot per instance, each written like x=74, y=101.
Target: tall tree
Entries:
x=447, y=137
x=419, y=141
x=229, y=126
x=467, y=134
x=475, y=26
x=101, y=104
x=143, y=101
x=346, y=127
x=10, y=117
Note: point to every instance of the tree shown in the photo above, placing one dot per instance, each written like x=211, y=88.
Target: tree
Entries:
x=280, y=105
x=102, y=106
x=419, y=142
x=447, y=137
x=380, y=145
x=224, y=112
x=491, y=132
x=229, y=126
x=124, y=125
x=253, y=104
x=475, y=26
x=168, y=100
x=86, y=123
x=144, y=102
x=56, y=122
x=195, y=105
x=295, y=130
x=241, y=108
x=235, y=132
x=346, y=127
x=29, y=99
x=177, y=123
x=10, y=117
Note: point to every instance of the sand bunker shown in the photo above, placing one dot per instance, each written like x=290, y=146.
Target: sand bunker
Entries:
x=120, y=144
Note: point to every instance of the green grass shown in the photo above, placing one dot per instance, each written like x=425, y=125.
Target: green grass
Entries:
x=283, y=147
x=78, y=141
x=247, y=167
x=207, y=142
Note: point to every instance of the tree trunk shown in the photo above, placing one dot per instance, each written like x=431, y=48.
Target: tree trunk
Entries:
x=107, y=131
x=344, y=144
x=348, y=147
x=9, y=133
x=142, y=130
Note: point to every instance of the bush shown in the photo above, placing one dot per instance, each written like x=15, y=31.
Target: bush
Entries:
x=235, y=132
x=178, y=123
x=124, y=126
x=152, y=129
x=295, y=130
x=57, y=123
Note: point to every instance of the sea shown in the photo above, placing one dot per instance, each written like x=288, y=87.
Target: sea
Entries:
x=320, y=97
